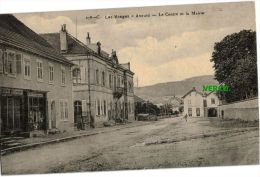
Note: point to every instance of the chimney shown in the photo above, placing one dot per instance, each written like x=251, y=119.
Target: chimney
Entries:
x=98, y=48
x=88, y=39
x=63, y=38
x=113, y=54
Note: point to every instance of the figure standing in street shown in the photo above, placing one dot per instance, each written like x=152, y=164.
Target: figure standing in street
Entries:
x=185, y=117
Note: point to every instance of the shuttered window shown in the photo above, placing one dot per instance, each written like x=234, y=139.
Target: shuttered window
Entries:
x=11, y=63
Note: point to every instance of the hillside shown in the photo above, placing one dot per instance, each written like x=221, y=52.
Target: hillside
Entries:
x=159, y=93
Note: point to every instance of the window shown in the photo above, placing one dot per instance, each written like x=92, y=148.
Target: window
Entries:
x=110, y=81
x=39, y=70
x=205, y=103
x=212, y=101
x=63, y=76
x=27, y=68
x=1, y=61
x=51, y=73
x=105, y=107
x=18, y=63
x=190, y=112
x=97, y=76
x=118, y=81
x=5, y=63
x=76, y=75
x=198, y=112
x=129, y=107
x=101, y=108
x=64, y=110
x=122, y=81
x=98, y=104
x=114, y=82
x=61, y=110
x=103, y=78
x=11, y=63
x=189, y=101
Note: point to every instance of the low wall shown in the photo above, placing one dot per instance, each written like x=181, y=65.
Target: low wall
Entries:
x=244, y=110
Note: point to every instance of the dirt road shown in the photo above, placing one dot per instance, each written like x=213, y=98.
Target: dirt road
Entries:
x=165, y=143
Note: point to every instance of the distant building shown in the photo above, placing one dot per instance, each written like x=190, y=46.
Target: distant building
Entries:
x=175, y=103
x=35, y=82
x=103, y=88
x=198, y=104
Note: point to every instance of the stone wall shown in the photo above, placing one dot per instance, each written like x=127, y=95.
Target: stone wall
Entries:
x=243, y=110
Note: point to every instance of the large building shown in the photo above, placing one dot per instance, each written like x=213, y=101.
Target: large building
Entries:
x=102, y=87
x=35, y=82
x=198, y=104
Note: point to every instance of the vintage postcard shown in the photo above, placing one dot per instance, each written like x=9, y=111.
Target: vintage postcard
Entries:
x=129, y=88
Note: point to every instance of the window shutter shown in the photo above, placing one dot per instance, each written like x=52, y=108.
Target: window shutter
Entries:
x=1, y=62
x=18, y=64
x=84, y=107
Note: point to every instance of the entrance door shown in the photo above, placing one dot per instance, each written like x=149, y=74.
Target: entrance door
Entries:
x=11, y=114
x=212, y=112
x=77, y=113
x=53, y=115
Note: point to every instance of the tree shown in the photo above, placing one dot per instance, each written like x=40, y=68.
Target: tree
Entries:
x=235, y=64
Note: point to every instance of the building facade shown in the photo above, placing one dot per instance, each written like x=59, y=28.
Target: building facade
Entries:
x=102, y=87
x=35, y=82
x=197, y=104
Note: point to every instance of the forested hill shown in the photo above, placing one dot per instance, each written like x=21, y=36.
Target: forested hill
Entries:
x=158, y=93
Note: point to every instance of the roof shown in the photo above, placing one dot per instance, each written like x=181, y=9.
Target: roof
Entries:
x=14, y=33
x=74, y=45
x=177, y=101
x=138, y=99
x=192, y=90
x=93, y=46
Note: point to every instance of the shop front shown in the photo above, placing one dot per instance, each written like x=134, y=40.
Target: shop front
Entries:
x=22, y=111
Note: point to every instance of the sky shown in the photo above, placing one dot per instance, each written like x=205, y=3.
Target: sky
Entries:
x=159, y=48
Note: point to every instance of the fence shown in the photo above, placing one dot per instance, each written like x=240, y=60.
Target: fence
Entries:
x=245, y=110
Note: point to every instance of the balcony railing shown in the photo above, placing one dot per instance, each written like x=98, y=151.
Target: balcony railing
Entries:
x=118, y=92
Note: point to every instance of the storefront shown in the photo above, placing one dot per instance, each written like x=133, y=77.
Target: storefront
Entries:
x=22, y=111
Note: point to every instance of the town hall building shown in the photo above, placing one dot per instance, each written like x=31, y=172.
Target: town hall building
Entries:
x=103, y=88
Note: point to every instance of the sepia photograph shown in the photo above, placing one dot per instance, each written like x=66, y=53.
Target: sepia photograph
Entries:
x=134, y=88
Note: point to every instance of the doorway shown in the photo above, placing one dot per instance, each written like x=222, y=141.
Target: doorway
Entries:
x=78, y=113
x=212, y=112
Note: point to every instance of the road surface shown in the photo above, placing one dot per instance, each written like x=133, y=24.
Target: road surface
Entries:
x=166, y=143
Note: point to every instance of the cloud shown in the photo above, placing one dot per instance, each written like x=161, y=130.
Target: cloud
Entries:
x=46, y=25
x=174, y=70
x=159, y=49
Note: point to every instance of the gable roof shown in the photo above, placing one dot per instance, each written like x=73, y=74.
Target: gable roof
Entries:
x=14, y=33
x=193, y=90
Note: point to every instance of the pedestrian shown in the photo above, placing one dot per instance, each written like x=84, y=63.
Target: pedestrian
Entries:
x=185, y=117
